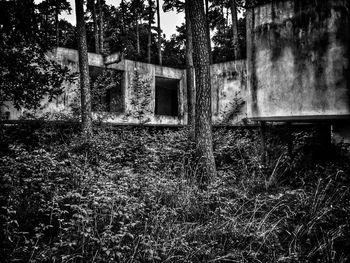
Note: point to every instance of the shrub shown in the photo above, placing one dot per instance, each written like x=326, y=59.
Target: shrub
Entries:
x=127, y=196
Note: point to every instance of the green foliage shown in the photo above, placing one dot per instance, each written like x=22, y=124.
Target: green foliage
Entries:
x=34, y=23
x=125, y=197
x=174, y=49
x=223, y=43
x=27, y=76
x=171, y=5
x=106, y=82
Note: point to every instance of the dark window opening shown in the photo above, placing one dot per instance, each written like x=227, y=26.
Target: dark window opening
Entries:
x=5, y=116
x=167, y=98
x=106, y=90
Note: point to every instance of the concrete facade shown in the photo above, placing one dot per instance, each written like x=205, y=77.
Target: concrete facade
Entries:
x=149, y=73
x=298, y=60
x=164, y=85
x=229, y=92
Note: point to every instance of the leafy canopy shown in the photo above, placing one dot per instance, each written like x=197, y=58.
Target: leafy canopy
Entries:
x=27, y=75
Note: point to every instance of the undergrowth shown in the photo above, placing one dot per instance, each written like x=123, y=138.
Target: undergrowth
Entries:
x=129, y=196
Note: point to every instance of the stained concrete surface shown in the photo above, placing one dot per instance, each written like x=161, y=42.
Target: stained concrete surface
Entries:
x=298, y=60
x=228, y=88
x=228, y=82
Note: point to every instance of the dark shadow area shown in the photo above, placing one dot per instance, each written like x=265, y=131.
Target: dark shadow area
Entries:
x=167, y=99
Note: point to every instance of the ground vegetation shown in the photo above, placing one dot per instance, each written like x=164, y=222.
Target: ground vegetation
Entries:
x=126, y=196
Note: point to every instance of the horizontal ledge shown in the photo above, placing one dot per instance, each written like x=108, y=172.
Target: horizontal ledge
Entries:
x=96, y=123
x=304, y=118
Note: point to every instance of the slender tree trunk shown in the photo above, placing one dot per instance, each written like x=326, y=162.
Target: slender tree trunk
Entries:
x=96, y=34
x=57, y=10
x=159, y=35
x=101, y=25
x=235, y=42
x=191, y=91
x=203, y=120
x=84, y=71
x=137, y=36
x=149, y=31
x=47, y=24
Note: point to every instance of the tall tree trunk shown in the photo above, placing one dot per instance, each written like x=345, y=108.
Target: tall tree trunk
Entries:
x=235, y=41
x=33, y=21
x=137, y=36
x=100, y=6
x=191, y=91
x=84, y=71
x=203, y=122
x=159, y=35
x=57, y=10
x=149, y=31
x=96, y=34
x=47, y=24
x=207, y=23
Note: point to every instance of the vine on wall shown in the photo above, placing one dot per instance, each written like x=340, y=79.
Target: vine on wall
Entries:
x=141, y=97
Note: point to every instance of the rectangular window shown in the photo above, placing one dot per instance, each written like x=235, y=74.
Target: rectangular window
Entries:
x=167, y=97
x=106, y=90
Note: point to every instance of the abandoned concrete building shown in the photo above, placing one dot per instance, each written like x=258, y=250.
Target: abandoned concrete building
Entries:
x=166, y=88
x=297, y=70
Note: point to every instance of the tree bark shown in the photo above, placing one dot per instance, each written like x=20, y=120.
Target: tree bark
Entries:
x=137, y=36
x=149, y=31
x=47, y=25
x=96, y=34
x=233, y=6
x=159, y=36
x=100, y=6
x=206, y=169
x=208, y=29
x=84, y=72
x=191, y=91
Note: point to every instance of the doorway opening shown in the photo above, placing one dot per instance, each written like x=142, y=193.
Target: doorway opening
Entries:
x=167, y=97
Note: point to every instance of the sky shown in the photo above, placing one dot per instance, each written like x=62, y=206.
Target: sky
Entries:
x=168, y=20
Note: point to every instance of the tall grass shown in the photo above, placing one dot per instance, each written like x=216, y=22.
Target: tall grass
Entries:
x=129, y=196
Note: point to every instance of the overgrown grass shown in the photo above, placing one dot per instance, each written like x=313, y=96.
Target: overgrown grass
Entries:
x=129, y=196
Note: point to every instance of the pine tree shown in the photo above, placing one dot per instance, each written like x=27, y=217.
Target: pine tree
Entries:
x=84, y=71
x=203, y=120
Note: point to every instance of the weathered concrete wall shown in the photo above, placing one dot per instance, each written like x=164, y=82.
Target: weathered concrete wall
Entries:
x=298, y=60
x=8, y=111
x=228, y=82
x=69, y=57
x=228, y=89
x=148, y=73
